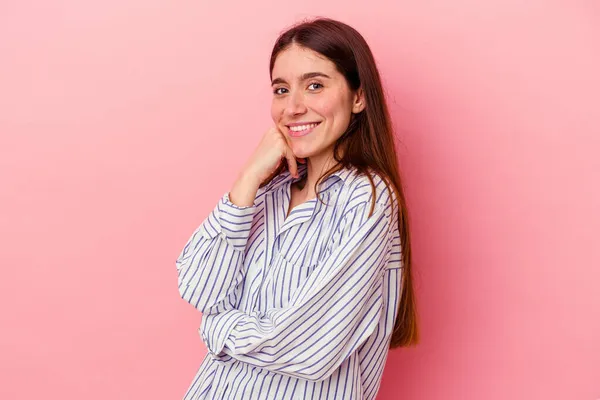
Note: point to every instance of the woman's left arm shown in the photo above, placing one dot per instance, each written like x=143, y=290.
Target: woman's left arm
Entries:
x=335, y=310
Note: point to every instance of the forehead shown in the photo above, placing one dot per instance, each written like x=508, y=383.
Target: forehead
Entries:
x=296, y=60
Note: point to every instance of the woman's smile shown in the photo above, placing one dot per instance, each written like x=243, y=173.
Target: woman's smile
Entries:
x=301, y=130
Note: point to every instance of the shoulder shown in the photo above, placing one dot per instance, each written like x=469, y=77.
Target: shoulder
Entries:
x=370, y=187
x=365, y=203
x=365, y=197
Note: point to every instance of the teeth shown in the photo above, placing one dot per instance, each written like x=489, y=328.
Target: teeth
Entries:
x=301, y=128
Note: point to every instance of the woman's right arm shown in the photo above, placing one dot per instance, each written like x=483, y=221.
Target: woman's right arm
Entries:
x=210, y=266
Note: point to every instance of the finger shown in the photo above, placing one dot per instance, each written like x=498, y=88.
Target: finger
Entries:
x=291, y=161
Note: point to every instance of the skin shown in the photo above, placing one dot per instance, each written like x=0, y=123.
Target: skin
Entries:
x=321, y=96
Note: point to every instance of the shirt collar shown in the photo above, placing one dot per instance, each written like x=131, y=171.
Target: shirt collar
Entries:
x=342, y=176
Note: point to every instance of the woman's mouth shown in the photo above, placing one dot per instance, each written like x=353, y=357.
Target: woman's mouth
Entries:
x=302, y=130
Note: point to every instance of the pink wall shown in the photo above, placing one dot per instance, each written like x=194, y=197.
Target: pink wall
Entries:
x=122, y=122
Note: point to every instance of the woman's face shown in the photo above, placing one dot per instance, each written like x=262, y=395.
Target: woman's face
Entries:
x=312, y=102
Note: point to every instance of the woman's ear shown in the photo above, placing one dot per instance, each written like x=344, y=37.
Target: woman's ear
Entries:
x=359, y=101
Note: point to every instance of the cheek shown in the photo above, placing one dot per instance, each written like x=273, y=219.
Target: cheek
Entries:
x=325, y=107
x=275, y=111
x=330, y=106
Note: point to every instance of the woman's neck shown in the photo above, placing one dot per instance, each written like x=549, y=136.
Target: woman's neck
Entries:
x=315, y=167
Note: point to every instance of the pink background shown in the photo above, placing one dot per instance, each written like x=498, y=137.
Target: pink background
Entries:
x=123, y=122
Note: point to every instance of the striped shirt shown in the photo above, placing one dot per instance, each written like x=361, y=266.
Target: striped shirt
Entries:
x=296, y=307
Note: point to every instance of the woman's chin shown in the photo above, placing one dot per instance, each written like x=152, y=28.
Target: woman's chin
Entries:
x=301, y=153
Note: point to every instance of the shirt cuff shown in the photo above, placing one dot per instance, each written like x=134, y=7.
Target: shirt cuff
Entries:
x=231, y=221
x=216, y=329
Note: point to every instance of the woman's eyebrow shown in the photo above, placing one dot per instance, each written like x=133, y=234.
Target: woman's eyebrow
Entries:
x=303, y=77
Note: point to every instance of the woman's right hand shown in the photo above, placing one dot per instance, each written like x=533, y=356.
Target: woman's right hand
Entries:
x=266, y=158
x=268, y=155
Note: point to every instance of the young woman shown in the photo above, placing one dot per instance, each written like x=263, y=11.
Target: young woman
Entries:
x=302, y=271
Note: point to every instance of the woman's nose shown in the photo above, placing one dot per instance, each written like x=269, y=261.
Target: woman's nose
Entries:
x=295, y=104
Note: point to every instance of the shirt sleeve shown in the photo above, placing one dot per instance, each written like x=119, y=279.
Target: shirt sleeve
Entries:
x=210, y=266
x=328, y=317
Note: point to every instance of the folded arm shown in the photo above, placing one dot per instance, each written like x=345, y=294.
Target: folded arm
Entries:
x=328, y=317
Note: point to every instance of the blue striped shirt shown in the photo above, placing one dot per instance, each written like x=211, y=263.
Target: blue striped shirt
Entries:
x=301, y=307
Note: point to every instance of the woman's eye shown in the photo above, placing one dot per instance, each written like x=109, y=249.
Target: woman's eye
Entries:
x=314, y=86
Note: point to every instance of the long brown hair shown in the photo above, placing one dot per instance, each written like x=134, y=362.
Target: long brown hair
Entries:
x=370, y=129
